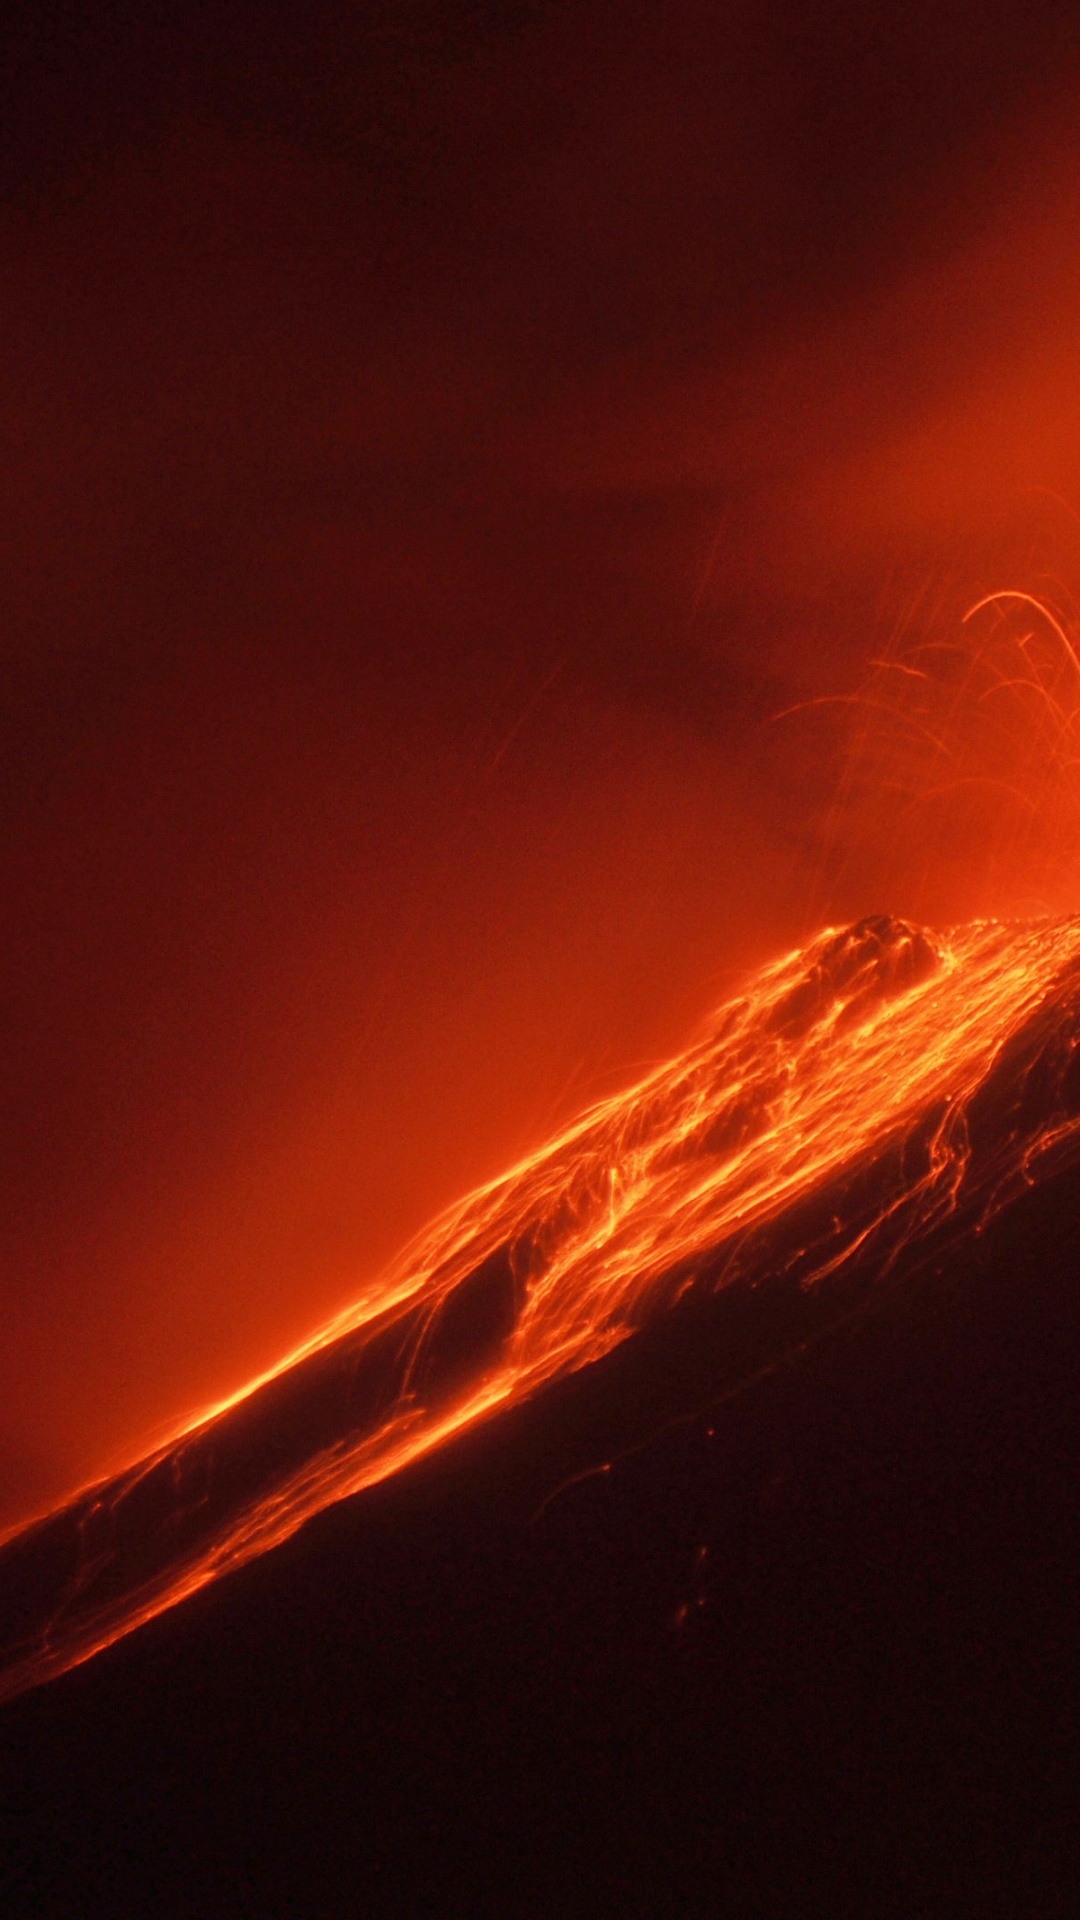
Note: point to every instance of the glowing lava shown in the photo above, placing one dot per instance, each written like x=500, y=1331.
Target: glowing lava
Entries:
x=831, y=1115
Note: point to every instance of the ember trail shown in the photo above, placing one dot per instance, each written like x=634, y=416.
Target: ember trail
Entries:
x=829, y=1120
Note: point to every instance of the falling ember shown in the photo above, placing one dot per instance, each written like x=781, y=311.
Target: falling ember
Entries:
x=859, y=1099
x=963, y=755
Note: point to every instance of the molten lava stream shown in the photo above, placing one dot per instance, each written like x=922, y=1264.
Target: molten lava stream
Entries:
x=855, y=1069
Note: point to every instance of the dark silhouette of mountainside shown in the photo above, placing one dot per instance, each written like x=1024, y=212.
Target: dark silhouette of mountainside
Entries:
x=773, y=1606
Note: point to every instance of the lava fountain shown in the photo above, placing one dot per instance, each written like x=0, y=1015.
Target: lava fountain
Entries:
x=961, y=774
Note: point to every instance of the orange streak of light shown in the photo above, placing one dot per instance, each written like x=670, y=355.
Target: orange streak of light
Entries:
x=826, y=1054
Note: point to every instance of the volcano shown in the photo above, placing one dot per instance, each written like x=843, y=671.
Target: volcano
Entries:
x=685, y=1523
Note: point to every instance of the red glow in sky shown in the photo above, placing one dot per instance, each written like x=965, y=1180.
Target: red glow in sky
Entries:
x=433, y=455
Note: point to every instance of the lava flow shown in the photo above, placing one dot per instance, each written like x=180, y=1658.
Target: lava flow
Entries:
x=859, y=1099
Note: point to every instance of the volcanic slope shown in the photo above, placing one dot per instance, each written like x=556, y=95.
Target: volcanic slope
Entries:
x=864, y=1103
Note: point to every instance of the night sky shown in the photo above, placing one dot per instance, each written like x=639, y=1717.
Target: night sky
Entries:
x=438, y=442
